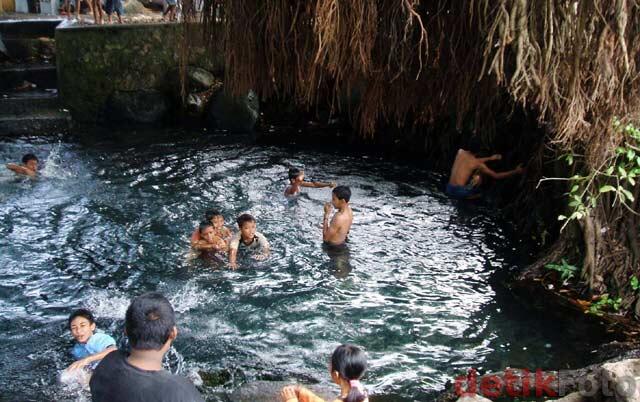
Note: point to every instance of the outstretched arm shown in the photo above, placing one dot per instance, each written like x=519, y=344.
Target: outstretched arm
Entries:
x=318, y=184
x=90, y=359
x=495, y=157
x=502, y=175
x=20, y=169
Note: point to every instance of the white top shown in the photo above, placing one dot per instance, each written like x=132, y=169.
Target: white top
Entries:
x=259, y=242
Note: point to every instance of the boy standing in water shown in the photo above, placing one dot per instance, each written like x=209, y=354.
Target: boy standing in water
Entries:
x=29, y=166
x=90, y=347
x=335, y=233
x=248, y=238
x=138, y=376
x=296, y=181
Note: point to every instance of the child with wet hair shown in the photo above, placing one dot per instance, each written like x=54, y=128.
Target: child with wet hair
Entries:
x=91, y=346
x=209, y=241
x=248, y=239
x=217, y=220
x=29, y=166
x=348, y=364
x=296, y=181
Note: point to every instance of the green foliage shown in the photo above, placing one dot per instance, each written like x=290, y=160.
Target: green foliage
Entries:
x=605, y=303
x=617, y=179
x=635, y=284
x=566, y=270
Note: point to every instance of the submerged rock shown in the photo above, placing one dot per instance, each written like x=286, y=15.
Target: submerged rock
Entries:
x=200, y=79
x=145, y=107
x=269, y=391
x=233, y=114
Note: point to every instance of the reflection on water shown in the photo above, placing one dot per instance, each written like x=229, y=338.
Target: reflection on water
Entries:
x=106, y=222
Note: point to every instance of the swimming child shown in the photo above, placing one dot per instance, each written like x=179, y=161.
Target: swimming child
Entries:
x=91, y=347
x=29, y=166
x=248, y=238
x=209, y=241
x=217, y=220
x=348, y=364
x=296, y=180
x=335, y=233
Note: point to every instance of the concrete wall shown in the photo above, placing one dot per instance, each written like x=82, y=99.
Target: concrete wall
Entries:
x=96, y=61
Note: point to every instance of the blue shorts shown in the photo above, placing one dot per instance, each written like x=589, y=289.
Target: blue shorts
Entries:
x=114, y=5
x=462, y=192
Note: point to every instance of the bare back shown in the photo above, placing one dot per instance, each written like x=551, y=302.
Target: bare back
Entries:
x=463, y=168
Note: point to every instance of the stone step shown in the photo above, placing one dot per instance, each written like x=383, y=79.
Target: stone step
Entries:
x=45, y=76
x=24, y=103
x=41, y=123
x=32, y=50
x=35, y=28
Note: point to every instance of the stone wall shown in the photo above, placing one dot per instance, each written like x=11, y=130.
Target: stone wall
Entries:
x=99, y=63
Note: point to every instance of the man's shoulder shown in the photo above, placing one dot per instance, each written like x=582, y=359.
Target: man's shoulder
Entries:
x=176, y=388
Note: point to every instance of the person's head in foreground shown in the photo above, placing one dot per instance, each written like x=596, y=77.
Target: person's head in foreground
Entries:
x=215, y=217
x=348, y=365
x=340, y=196
x=150, y=323
x=82, y=325
x=296, y=176
x=247, y=226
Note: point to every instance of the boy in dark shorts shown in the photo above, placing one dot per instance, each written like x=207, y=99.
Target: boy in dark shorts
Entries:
x=114, y=5
x=138, y=376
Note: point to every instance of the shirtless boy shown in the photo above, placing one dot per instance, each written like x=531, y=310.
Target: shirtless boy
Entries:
x=29, y=166
x=467, y=172
x=296, y=181
x=219, y=229
x=209, y=242
x=335, y=233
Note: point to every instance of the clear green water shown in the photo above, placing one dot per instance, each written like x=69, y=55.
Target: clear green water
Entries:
x=109, y=220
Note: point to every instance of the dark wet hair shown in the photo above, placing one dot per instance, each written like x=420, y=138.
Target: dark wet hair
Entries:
x=342, y=193
x=210, y=214
x=149, y=321
x=351, y=363
x=29, y=157
x=293, y=173
x=244, y=218
x=203, y=225
x=81, y=312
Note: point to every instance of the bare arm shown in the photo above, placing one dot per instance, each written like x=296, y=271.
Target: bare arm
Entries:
x=20, y=169
x=495, y=157
x=317, y=184
x=329, y=230
x=502, y=175
x=233, y=257
x=90, y=359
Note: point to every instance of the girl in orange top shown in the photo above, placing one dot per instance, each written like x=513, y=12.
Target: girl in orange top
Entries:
x=348, y=364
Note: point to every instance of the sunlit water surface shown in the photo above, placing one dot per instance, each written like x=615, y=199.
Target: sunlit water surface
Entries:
x=110, y=220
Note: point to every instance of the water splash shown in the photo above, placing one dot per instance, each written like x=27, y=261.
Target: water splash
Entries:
x=54, y=165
